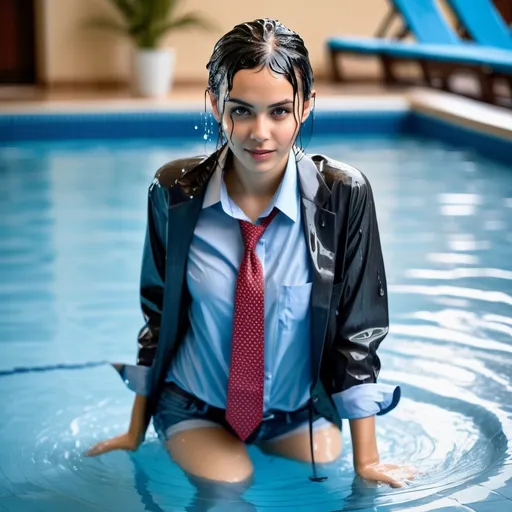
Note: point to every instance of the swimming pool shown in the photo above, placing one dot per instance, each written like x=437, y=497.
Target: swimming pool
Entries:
x=72, y=223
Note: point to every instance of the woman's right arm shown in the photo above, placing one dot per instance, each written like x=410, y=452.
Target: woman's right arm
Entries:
x=130, y=440
x=151, y=298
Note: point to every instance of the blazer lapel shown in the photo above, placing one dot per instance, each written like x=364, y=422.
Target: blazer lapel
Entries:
x=319, y=224
x=182, y=219
x=320, y=229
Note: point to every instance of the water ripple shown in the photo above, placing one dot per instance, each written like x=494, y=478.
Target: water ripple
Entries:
x=72, y=225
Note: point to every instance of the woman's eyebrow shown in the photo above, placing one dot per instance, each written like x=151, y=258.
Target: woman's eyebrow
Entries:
x=245, y=104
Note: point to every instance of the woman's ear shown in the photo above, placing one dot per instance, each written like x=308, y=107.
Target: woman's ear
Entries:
x=214, y=100
x=308, y=105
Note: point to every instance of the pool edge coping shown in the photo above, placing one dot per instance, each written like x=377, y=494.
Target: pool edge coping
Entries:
x=463, y=112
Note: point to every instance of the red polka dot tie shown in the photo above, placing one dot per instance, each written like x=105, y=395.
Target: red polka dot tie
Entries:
x=244, y=409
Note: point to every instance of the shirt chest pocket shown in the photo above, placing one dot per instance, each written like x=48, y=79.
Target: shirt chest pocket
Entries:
x=293, y=308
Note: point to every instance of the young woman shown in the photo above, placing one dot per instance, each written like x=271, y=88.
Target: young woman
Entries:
x=263, y=284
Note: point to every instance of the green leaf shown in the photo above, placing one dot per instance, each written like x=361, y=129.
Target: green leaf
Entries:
x=125, y=7
x=147, y=21
x=186, y=21
x=162, y=10
x=107, y=24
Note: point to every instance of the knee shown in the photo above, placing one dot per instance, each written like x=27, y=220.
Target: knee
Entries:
x=327, y=446
x=222, y=487
x=211, y=454
x=228, y=470
x=328, y=454
x=231, y=471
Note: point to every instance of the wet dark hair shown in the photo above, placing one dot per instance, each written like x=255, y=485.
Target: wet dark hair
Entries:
x=257, y=44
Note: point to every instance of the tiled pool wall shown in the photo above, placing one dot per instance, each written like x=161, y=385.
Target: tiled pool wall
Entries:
x=16, y=127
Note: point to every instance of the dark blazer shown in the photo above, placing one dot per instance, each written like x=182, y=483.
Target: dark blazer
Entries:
x=349, y=307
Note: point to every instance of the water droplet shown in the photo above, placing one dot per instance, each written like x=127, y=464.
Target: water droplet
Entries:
x=205, y=136
x=195, y=127
x=381, y=292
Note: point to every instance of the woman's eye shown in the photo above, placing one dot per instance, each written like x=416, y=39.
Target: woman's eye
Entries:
x=240, y=111
x=281, y=112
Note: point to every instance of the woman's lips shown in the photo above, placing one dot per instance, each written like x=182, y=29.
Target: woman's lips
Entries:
x=259, y=154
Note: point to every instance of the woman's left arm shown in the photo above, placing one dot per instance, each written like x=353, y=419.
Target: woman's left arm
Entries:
x=366, y=455
x=362, y=324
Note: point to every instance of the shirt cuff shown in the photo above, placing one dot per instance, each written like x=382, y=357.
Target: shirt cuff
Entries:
x=136, y=377
x=366, y=400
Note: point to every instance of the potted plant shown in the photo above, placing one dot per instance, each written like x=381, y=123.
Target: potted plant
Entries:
x=146, y=22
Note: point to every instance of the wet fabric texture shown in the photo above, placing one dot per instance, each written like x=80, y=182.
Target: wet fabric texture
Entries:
x=356, y=402
x=176, y=407
x=349, y=307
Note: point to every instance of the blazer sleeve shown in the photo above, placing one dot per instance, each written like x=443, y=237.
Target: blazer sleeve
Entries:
x=363, y=320
x=152, y=279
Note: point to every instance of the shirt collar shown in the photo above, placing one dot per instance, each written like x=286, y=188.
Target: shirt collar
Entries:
x=286, y=198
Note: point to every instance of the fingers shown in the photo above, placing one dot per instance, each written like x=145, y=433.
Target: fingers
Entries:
x=388, y=479
x=391, y=474
x=398, y=472
x=395, y=484
x=98, y=449
x=411, y=470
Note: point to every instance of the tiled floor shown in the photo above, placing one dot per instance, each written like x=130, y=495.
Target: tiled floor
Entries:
x=179, y=92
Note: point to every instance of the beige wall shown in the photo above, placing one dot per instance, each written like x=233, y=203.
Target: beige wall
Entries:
x=70, y=53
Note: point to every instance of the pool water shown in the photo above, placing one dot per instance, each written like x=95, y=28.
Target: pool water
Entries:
x=72, y=219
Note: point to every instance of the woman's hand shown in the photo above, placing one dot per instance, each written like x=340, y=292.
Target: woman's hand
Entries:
x=390, y=474
x=123, y=442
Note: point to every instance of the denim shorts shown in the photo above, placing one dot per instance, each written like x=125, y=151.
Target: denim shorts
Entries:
x=178, y=410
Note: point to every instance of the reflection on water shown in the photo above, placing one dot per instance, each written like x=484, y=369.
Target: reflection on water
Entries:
x=72, y=217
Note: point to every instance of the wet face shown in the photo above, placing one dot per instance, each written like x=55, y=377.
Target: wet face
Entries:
x=258, y=119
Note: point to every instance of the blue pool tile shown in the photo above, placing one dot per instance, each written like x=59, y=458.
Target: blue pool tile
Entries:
x=502, y=505
x=449, y=508
x=440, y=505
x=475, y=494
x=436, y=128
x=16, y=505
x=501, y=483
x=506, y=492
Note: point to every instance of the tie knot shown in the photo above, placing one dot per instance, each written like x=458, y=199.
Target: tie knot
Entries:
x=251, y=233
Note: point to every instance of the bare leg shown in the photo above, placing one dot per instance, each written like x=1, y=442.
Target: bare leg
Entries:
x=216, y=463
x=327, y=445
x=211, y=453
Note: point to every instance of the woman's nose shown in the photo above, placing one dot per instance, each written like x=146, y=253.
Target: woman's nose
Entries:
x=260, y=129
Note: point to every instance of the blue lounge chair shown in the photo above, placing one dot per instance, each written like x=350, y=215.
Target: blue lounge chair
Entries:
x=419, y=17
x=482, y=21
x=443, y=52
x=440, y=62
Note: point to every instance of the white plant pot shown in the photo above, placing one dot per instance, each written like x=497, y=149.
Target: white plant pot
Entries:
x=154, y=71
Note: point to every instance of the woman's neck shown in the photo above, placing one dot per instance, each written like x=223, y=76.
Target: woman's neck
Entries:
x=252, y=192
x=256, y=185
